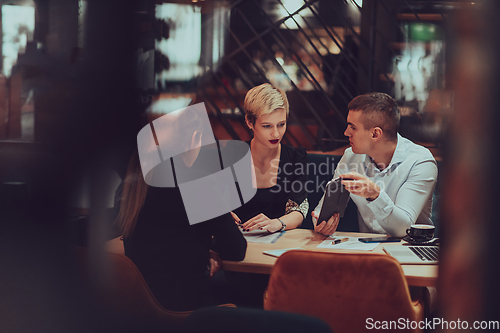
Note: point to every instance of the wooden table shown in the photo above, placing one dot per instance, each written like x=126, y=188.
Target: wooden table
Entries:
x=257, y=262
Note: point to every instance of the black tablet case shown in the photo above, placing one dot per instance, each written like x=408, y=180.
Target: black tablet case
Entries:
x=335, y=200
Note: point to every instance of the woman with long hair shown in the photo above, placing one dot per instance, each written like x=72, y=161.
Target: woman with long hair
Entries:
x=172, y=254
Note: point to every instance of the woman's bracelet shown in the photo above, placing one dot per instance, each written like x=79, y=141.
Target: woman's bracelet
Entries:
x=282, y=224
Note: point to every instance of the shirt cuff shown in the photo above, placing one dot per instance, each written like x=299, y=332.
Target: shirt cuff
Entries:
x=382, y=206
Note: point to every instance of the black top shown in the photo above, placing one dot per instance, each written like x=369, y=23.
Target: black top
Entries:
x=291, y=185
x=173, y=255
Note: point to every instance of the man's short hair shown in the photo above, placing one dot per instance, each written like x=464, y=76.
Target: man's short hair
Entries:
x=379, y=110
x=264, y=99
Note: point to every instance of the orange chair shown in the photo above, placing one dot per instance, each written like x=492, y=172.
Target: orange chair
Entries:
x=351, y=292
x=120, y=290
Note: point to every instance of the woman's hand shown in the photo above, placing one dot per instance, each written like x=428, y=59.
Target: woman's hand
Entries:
x=215, y=263
x=326, y=228
x=236, y=218
x=262, y=222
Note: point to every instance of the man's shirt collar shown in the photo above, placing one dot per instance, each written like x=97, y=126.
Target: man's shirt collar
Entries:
x=397, y=158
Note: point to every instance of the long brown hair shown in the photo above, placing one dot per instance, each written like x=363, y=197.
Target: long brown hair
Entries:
x=133, y=197
x=134, y=187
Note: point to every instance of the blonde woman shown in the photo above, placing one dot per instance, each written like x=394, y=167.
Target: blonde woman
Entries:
x=280, y=170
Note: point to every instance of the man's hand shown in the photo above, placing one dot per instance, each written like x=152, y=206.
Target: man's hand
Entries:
x=215, y=263
x=360, y=185
x=262, y=222
x=326, y=228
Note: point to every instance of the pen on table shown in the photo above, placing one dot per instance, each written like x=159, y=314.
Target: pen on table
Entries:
x=281, y=234
x=338, y=241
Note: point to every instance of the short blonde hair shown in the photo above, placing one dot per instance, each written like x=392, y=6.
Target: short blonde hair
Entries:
x=264, y=99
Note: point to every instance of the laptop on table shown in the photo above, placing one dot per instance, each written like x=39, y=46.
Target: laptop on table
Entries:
x=423, y=255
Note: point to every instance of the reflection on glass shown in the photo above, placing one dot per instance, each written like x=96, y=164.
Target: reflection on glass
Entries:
x=419, y=68
x=16, y=96
x=18, y=24
x=183, y=47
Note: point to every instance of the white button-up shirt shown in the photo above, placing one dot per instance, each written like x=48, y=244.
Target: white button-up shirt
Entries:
x=406, y=187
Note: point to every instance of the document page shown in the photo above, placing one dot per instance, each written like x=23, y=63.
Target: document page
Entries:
x=351, y=243
x=259, y=236
x=277, y=253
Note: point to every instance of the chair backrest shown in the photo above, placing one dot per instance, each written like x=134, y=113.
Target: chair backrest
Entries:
x=121, y=291
x=349, y=291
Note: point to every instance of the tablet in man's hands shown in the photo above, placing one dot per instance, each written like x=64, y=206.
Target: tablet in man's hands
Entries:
x=335, y=200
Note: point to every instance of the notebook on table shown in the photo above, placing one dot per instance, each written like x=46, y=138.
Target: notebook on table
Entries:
x=424, y=255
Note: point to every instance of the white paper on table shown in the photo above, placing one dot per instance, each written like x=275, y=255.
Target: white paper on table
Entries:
x=259, y=236
x=277, y=253
x=352, y=244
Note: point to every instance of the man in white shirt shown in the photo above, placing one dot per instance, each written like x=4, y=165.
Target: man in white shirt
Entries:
x=393, y=178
